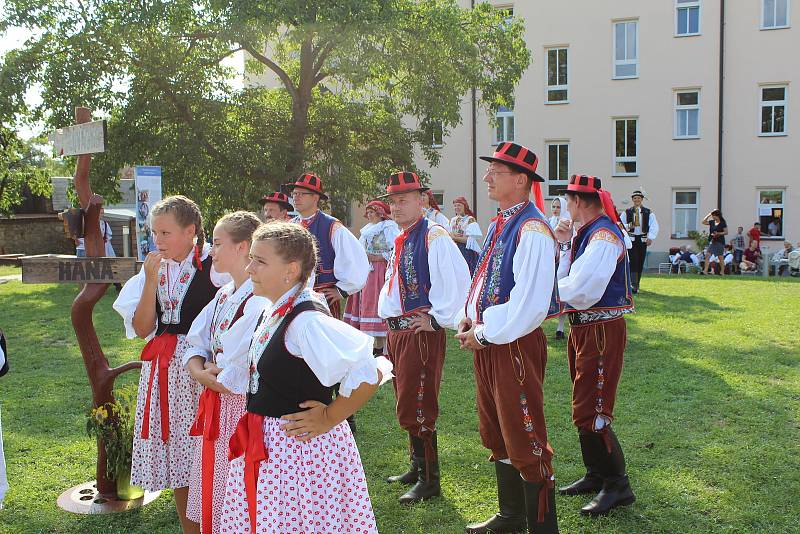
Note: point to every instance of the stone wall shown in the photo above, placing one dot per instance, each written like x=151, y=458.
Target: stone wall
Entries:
x=34, y=234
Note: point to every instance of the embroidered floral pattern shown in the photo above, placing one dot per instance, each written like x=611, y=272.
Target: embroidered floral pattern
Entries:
x=378, y=244
x=591, y=316
x=409, y=287
x=492, y=288
x=171, y=296
x=527, y=423
x=420, y=396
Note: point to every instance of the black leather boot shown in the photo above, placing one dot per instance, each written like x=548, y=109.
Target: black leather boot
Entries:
x=616, y=489
x=549, y=524
x=428, y=477
x=593, y=451
x=511, y=499
x=410, y=476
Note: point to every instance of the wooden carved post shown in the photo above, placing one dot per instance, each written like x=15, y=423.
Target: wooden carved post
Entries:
x=101, y=376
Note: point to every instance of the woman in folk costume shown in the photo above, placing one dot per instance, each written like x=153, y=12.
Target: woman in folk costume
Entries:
x=219, y=341
x=294, y=465
x=433, y=212
x=466, y=233
x=377, y=237
x=159, y=305
x=559, y=211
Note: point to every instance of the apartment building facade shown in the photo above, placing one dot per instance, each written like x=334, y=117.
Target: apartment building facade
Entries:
x=689, y=100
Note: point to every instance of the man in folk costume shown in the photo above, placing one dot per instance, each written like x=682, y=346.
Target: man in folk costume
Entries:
x=426, y=284
x=343, y=266
x=643, y=229
x=595, y=284
x=512, y=293
x=275, y=207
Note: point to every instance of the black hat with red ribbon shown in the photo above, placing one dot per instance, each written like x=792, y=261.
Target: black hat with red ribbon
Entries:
x=584, y=183
x=310, y=182
x=517, y=157
x=277, y=198
x=403, y=182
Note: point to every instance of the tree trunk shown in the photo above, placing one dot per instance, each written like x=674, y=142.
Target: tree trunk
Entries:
x=300, y=106
x=101, y=376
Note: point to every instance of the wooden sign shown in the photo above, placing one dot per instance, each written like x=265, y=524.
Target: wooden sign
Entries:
x=86, y=138
x=59, y=269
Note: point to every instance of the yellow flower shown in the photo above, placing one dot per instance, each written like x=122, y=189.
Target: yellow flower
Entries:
x=100, y=414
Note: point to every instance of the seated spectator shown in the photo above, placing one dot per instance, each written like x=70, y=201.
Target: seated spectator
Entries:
x=751, y=258
x=794, y=261
x=738, y=247
x=728, y=258
x=684, y=256
x=781, y=257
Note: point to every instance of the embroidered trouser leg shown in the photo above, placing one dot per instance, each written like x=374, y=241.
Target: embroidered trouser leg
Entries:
x=418, y=361
x=595, y=353
x=510, y=402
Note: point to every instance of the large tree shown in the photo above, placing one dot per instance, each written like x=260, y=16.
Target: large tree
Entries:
x=22, y=170
x=348, y=88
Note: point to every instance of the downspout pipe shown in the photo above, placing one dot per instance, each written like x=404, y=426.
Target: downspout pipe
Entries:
x=721, y=99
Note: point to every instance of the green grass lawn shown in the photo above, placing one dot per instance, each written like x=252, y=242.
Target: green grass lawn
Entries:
x=708, y=413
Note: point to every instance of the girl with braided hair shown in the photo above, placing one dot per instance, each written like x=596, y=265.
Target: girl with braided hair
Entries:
x=159, y=305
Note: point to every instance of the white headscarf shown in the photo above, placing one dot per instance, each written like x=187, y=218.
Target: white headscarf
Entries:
x=564, y=212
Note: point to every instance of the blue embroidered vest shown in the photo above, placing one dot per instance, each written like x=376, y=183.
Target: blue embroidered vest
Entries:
x=321, y=227
x=618, y=293
x=499, y=261
x=413, y=269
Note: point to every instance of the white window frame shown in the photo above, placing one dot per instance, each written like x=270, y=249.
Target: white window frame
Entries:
x=549, y=87
x=772, y=103
x=781, y=206
x=434, y=144
x=438, y=194
x=688, y=5
x=614, y=50
x=676, y=207
x=624, y=159
x=679, y=108
x=509, y=8
x=556, y=142
x=776, y=27
x=502, y=117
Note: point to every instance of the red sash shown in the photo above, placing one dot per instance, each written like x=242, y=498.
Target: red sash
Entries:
x=248, y=440
x=207, y=425
x=159, y=351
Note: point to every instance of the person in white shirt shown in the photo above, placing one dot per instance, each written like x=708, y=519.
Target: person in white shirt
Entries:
x=559, y=211
x=595, y=284
x=219, y=340
x=433, y=211
x=295, y=466
x=642, y=227
x=343, y=266
x=426, y=286
x=377, y=237
x=466, y=232
x=512, y=293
